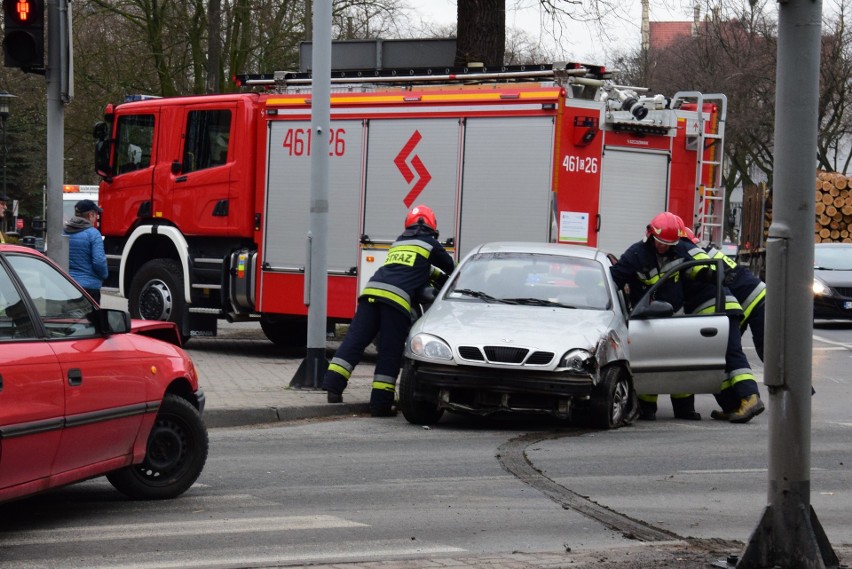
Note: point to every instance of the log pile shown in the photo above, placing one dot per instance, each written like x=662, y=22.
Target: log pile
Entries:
x=833, y=208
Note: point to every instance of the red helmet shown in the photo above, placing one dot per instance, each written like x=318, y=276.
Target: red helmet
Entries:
x=690, y=234
x=421, y=214
x=666, y=228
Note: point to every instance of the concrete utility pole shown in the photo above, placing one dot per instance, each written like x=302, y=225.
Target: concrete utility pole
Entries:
x=789, y=533
x=313, y=367
x=58, y=80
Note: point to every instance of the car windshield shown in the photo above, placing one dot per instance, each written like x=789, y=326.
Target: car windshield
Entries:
x=532, y=279
x=833, y=257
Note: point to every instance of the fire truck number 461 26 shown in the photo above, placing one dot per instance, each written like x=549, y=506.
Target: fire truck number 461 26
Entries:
x=588, y=165
x=297, y=141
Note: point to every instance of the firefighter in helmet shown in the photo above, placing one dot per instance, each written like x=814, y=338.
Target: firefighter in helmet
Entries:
x=640, y=267
x=385, y=310
x=644, y=265
x=748, y=289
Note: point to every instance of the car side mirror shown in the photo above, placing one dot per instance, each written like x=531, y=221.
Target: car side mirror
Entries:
x=176, y=167
x=112, y=321
x=654, y=309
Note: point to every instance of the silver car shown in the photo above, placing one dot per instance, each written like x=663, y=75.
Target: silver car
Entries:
x=541, y=328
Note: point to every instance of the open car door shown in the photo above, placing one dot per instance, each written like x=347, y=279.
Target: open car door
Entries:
x=678, y=353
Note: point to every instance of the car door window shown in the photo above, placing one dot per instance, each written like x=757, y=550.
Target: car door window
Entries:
x=15, y=321
x=62, y=307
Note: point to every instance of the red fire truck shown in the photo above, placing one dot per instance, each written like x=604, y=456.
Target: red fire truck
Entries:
x=206, y=198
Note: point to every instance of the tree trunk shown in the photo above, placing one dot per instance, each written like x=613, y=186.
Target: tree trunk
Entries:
x=214, y=46
x=481, y=35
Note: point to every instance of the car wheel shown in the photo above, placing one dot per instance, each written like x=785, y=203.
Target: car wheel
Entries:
x=176, y=453
x=416, y=412
x=612, y=402
x=156, y=292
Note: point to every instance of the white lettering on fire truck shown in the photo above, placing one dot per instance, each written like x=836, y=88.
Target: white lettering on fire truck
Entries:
x=635, y=142
x=297, y=141
x=588, y=165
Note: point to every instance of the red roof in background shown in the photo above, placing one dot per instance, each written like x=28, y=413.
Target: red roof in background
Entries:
x=663, y=34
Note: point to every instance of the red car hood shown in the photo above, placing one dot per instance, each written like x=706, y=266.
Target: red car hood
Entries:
x=165, y=331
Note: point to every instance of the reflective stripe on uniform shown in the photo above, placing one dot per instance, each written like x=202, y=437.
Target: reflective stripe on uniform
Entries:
x=752, y=300
x=647, y=398
x=709, y=306
x=390, y=292
x=340, y=367
x=405, y=252
x=655, y=275
x=716, y=254
x=384, y=382
x=736, y=376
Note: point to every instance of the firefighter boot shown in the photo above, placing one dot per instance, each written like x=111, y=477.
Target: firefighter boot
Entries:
x=684, y=408
x=381, y=403
x=334, y=385
x=722, y=415
x=647, y=410
x=750, y=407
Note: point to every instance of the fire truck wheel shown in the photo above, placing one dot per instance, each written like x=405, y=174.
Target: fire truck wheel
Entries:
x=613, y=399
x=415, y=411
x=156, y=292
x=287, y=332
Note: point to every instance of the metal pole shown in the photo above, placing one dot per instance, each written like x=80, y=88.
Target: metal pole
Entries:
x=313, y=368
x=5, y=153
x=57, y=245
x=789, y=533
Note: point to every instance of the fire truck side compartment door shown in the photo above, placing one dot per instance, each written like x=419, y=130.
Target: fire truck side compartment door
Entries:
x=633, y=190
x=288, y=194
x=507, y=180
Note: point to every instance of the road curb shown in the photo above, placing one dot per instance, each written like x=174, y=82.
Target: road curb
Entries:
x=221, y=418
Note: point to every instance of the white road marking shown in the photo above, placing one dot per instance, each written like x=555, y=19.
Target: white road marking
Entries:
x=840, y=345
x=291, y=558
x=175, y=528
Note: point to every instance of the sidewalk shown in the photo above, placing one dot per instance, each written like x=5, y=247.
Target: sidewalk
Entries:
x=247, y=380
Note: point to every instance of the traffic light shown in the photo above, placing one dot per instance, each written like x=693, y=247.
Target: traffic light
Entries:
x=23, y=34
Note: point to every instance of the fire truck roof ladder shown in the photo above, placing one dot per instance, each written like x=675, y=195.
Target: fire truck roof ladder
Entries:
x=709, y=217
x=559, y=72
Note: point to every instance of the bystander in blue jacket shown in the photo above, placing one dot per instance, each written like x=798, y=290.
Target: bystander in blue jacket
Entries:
x=86, y=258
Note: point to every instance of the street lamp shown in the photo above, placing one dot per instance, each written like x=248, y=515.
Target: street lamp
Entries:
x=5, y=100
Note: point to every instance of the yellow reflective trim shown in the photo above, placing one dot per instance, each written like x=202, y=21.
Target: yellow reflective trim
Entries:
x=388, y=295
x=741, y=377
x=383, y=386
x=340, y=370
x=647, y=398
x=747, y=311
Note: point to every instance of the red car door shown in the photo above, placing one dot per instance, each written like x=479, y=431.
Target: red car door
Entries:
x=31, y=398
x=103, y=381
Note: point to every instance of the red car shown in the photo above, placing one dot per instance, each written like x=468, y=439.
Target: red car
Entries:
x=85, y=392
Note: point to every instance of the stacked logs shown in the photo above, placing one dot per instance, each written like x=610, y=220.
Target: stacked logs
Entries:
x=833, y=208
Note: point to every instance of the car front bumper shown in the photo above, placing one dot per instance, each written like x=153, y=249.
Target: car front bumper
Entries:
x=832, y=307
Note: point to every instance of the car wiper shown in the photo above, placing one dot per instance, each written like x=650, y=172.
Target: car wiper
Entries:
x=537, y=302
x=482, y=296
x=475, y=294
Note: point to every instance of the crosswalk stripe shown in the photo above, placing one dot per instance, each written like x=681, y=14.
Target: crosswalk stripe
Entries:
x=174, y=528
x=219, y=561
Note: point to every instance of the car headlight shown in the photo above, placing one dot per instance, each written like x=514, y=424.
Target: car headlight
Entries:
x=822, y=289
x=428, y=346
x=578, y=360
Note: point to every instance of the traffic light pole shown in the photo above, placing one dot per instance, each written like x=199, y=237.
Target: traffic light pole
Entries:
x=57, y=245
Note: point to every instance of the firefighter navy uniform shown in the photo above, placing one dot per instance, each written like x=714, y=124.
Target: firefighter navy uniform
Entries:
x=750, y=291
x=385, y=309
x=639, y=268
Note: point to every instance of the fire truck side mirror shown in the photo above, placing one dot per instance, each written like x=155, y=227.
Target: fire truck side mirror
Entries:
x=103, y=149
x=176, y=167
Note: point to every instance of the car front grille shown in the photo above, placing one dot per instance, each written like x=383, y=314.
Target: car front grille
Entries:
x=505, y=355
x=844, y=291
x=540, y=358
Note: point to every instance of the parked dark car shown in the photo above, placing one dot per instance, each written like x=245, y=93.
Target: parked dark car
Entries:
x=833, y=281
